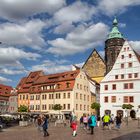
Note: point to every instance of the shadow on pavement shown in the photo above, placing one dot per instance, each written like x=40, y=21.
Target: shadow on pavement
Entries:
x=129, y=136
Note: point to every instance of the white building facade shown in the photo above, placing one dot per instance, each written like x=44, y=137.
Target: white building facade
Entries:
x=122, y=84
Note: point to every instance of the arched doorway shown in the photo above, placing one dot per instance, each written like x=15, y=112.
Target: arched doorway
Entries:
x=120, y=112
x=108, y=112
x=133, y=114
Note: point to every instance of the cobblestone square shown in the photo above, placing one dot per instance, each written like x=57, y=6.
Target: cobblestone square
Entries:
x=130, y=132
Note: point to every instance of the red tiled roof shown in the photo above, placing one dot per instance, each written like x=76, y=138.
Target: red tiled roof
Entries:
x=4, y=89
x=35, y=84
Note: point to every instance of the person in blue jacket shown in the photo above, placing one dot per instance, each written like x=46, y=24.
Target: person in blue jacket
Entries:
x=92, y=123
x=45, y=126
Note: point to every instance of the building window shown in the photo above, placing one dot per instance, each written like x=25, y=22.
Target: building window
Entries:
x=67, y=85
x=80, y=96
x=130, y=55
x=80, y=107
x=128, y=48
x=64, y=106
x=131, y=85
x=58, y=86
x=122, y=76
x=116, y=76
x=131, y=99
x=125, y=99
x=87, y=107
x=76, y=95
x=122, y=56
x=129, y=75
x=124, y=49
x=105, y=87
x=50, y=96
x=81, y=87
x=76, y=106
x=88, y=97
x=130, y=65
x=135, y=75
x=84, y=107
x=106, y=99
x=114, y=87
x=68, y=106
x=122, y=66
x=68, y=94
x=126, y=86
x=84, y=97
x=20, y=97
x=59, y=96
x=113, y=99
x=64, y=95
x=77, y=86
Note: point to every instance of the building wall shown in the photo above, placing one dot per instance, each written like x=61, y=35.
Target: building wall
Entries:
x=126, y=80
x=13, y=104
x=23, y=99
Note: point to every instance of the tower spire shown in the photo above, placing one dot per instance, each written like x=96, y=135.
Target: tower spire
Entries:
x=115, y=32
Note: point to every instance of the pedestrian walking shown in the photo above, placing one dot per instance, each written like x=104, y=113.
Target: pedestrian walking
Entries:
x=39, y=122
x=74, y=126
x=45, y=126
x=106, y=121
x=92, y=123
x=118, y=120
x=85, y=121
x=98, y=120
x=81, y=121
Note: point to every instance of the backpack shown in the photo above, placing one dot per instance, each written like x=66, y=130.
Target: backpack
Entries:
x=90, y=121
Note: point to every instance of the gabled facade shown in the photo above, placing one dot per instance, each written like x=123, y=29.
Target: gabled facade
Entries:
x=23, y=88
x=121, y=85
x=70, y=89
x=4, y=97
x=94, y=66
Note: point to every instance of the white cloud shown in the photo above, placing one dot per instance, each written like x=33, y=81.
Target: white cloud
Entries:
x=78, y=11
x=135, y=45
x=80, y=39
x=9, y=71
x=64, y=28
x=4, y=80
x=56, y=66
x=17, y=9
x=11, y=56
x=25, y=34
x=122, y=25
x=110, y=7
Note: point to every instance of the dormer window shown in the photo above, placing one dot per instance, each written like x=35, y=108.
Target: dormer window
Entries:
x=67, y=85
x=58, y=86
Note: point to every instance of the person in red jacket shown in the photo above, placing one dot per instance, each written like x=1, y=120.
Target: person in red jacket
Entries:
x=74, y=126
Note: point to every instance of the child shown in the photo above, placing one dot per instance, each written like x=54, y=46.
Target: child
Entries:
x=74, y=126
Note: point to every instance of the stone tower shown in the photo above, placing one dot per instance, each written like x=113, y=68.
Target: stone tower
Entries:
x=113, y=46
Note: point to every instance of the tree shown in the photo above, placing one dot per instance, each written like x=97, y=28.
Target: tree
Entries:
x=96, y=106
x=127, y=106
x=23, y=108
x=57, y=107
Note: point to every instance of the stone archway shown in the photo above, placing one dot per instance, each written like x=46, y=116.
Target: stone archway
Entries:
x=133, y=114
x=120, y=112
x=108, y=112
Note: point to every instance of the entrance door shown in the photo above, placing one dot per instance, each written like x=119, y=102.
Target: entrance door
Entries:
x=108, y=112
x=120, y=112
x=132, y=114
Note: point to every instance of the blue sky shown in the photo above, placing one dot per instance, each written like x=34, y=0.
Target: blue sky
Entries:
x=51, y=35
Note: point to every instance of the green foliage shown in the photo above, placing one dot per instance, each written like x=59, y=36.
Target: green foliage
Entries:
x=57, y=107
x=127, y=106
x=23, y=108
x=95, y=106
